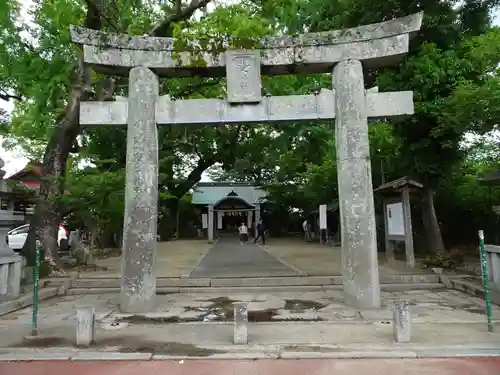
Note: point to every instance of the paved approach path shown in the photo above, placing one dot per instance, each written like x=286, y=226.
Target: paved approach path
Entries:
x=455, y=366
x=229, y=258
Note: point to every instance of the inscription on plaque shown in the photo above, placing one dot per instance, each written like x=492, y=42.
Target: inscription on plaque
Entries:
x=243, y=77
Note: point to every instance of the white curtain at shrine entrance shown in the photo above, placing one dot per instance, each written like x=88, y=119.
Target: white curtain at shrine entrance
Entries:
x=220, y=215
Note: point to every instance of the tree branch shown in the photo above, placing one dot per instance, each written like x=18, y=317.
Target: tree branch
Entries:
x=5, y=96
x=179, y=190
x=96, y=10
x=164, y=28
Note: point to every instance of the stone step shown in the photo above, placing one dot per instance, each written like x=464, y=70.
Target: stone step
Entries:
x=262, y=289
x=473, y=288
x=27, y=300
x=252, y=281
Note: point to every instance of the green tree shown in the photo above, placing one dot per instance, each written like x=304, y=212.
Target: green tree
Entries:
x=451, y=59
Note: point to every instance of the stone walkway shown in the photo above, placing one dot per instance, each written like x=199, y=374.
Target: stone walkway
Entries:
x=281, y=257
x=440, y=317
x=229, y=258
x=315, y=259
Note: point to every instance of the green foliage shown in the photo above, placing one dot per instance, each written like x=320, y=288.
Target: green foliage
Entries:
x=450, y=260
x=95, y=199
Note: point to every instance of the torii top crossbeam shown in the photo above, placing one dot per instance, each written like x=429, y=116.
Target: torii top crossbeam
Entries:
x=376, y=45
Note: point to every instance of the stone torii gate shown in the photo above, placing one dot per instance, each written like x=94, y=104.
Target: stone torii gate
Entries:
x=343, y=52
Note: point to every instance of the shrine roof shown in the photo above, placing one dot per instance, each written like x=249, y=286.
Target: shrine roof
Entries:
x=32, y=168
x=491, y=179
x=212, y=192
x=397, y=184
x=15, y=189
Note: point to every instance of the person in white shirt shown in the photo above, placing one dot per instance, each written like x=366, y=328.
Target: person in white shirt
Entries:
x=243, y=229
x=305, y=227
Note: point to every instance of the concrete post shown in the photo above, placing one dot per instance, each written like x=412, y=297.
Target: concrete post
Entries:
x=4, y=277
x=410, y=252
x=138, y=280
x=85, y=327
x=389, y=245
x=360, y=275
x=220, y=214
x=257, y=218
x=210, y=223
x=240, y=323
x=249, y=221
x=14, y=278
x=401, y=324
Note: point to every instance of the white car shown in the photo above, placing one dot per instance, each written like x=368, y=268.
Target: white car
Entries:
x=17, y=236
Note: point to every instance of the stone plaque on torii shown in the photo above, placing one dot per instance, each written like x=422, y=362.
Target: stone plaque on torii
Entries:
x=343, y=52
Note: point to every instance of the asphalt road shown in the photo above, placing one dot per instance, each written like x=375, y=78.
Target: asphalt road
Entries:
x=450, y=366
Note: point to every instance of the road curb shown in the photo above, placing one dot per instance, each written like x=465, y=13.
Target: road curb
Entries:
x=71, y=354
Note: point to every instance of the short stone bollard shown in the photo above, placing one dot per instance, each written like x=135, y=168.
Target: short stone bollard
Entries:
x=240, y=323
x=401, y=324
x=85, y=327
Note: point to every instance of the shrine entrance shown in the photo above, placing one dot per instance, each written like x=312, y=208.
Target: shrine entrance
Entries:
x=342, y=53
x=231, y=211
x=231, y=221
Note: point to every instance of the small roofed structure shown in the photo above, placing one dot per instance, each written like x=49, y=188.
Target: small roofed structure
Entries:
x=9, y=217
x=397, y=215
x=224, y=205
x=394, y=186
x=30, y=175
x=491, y=179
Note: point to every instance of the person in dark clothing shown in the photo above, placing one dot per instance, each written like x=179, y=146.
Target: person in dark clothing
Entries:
x=261, y=232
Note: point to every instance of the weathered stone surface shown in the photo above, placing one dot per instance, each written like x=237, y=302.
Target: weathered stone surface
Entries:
x=357, y=214
x=5, y=222
x=138, y=288
x=85, y=327
x=312, y=59
x=401, y=323
x=379, y=40
x=108, y=113
x=14, y=278
x=240, y=323
x=243, y=76
x=403, y=25
x=4, y=276
x=210, y=223
x=384, y=49
x=111, y=356
x=271, y=109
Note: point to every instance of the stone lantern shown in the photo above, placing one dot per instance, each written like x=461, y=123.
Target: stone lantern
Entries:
x=10, y=262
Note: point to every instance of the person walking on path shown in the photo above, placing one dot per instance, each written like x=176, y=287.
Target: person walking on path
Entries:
x=305, y=227
x=243, y=230
x=261, y=232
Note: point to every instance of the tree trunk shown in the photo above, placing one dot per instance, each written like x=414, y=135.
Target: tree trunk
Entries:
x=431, y=224
x=47, y=217
x=171, y=225
x=177, y=231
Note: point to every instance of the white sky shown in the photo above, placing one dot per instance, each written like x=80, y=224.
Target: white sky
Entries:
x=14, y=159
